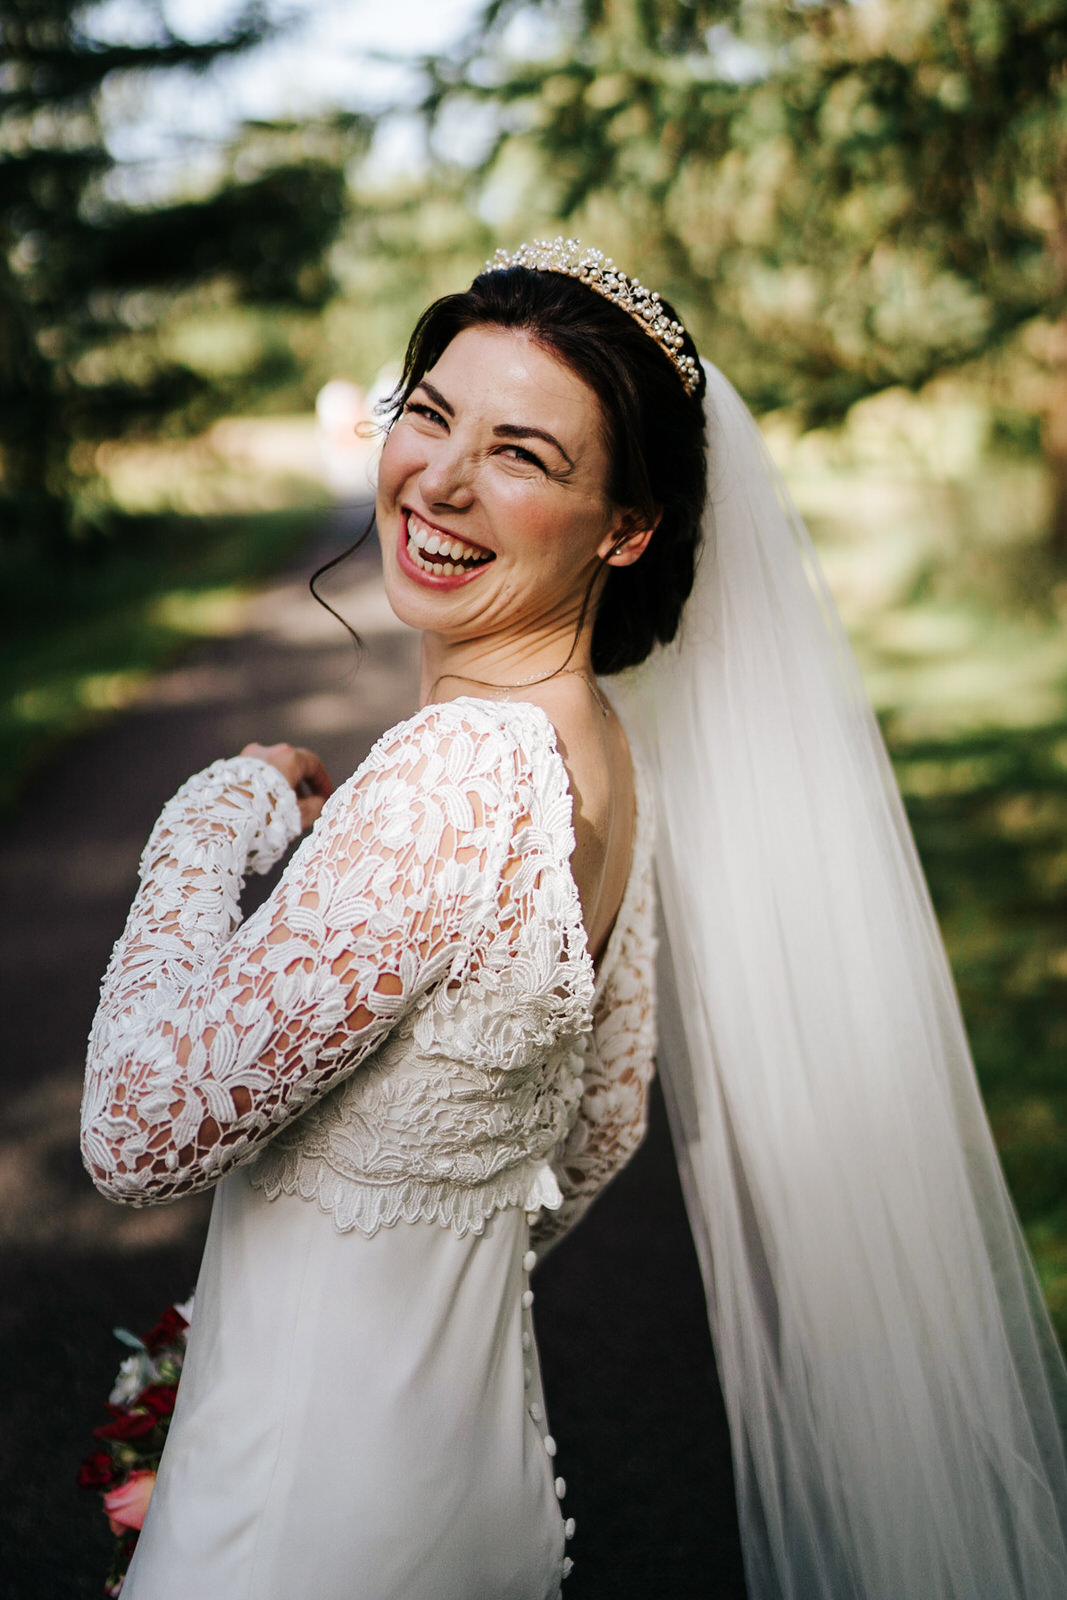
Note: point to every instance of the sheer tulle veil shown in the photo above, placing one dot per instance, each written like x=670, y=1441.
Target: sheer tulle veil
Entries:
x=896, y=1395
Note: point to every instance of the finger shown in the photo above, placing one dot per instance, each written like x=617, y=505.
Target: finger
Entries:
x=310, y=809
x=312, y=772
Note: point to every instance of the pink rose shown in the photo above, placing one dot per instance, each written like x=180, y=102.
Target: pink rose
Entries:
x=125, y=1506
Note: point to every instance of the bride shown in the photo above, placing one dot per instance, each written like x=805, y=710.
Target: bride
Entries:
x=416, y=1065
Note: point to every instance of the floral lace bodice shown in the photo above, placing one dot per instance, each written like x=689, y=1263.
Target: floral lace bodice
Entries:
x=410, y=1027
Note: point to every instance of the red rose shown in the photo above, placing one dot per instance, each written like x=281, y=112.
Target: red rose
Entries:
x=126, y=1424
x=158, y=1398
x=166, y=1330
x=96, y=1471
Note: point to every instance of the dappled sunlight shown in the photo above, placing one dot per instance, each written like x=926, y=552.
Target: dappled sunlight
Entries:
x=60, y=702
x=85, y=639
x=928, y=695
x=206, y=613
x=290, y=615
x=183, y=614
x=940, y=566
x=989, y=811
x=950, y=775
x=244, y=464
x=352, y=703
x=240, y=464
x=958, y=614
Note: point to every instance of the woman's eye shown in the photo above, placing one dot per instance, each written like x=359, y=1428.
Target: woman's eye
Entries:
x=519, y=453
x=419, y=408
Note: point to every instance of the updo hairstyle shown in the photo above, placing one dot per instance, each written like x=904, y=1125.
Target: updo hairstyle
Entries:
x=655, y=433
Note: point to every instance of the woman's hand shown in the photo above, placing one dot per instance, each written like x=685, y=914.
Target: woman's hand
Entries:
x=303, y=769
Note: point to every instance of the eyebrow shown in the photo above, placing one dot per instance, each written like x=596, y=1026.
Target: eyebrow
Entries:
x=512, y=430
x=436, y=396
x=504, y=430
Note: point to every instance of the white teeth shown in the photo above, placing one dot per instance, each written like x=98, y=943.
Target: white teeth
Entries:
x=422, y=543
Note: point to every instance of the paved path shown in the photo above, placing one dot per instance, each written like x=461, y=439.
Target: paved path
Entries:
x=620, y=1311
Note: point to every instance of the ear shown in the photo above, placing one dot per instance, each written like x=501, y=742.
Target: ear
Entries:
x=628, y=539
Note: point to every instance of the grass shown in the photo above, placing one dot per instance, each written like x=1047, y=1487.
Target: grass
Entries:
x=957, y=612
x=78, y=638
x=192, y=525
x=990, y=818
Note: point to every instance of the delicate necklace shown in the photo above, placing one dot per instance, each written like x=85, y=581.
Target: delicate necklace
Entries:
x=526, y=683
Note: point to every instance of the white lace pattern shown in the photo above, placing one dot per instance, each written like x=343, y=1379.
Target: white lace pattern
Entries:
x=429, y=933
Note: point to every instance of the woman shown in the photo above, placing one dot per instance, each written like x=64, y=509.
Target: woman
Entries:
x=438, y=1032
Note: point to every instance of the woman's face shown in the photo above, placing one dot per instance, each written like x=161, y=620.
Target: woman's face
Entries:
x=493, y=508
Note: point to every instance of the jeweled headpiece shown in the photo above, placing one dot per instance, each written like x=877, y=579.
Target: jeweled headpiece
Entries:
x=599, y=273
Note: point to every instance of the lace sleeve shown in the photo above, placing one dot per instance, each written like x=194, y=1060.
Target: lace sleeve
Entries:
x=613, y=1114
x=207, y=1040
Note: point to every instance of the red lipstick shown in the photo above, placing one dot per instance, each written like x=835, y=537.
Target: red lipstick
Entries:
x=429, y=580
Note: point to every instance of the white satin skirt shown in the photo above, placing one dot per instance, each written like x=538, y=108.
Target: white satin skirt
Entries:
x=358, y=1419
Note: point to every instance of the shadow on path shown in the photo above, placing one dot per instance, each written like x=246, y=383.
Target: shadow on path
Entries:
x=624, y=1342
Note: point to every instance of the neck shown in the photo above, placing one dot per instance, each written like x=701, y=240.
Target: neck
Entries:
x=454, y=667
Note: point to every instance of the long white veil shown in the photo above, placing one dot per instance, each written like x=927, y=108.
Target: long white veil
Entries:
x=895, y=1391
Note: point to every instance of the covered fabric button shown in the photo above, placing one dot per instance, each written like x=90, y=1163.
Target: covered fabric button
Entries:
x=537, y=1411
x=529, y=1261
x=550, y=1444
x=527, y=1377
x=561, y=1488
x=569, y=1527
x=568, y=1566
x=526, y=1340
x=527, y=1298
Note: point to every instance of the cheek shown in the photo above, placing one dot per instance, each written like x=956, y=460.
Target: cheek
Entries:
x=561, y=545
x=395, y=465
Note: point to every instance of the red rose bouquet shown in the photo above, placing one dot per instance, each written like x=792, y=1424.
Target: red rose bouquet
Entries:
x=123, y=1466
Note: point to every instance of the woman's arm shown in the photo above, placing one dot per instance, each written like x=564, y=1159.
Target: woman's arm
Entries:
x=208, y=1040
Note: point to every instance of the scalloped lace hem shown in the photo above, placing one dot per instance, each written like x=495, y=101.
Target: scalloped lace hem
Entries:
x=365, y=1207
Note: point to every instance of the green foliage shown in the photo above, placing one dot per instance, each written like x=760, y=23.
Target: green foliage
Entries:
x=79, y=636
x=89, y=280
x=989, y=818
x=957, y=611
x=841, y=196
x=403, y=246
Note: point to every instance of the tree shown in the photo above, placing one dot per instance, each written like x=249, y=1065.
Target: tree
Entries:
x=851, y=195
x=87, y=278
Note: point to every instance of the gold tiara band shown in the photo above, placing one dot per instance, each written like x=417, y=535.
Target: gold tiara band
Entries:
x=599, y=273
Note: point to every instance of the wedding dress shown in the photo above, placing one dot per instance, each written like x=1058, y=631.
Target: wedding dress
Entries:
x=404, y=1077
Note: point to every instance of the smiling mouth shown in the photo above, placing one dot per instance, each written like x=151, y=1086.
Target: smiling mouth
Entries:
x=441, y=553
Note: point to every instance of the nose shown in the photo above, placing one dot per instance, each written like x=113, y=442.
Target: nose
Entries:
x=446, y=481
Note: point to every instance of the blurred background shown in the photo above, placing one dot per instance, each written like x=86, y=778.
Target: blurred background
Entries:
x=218, y=222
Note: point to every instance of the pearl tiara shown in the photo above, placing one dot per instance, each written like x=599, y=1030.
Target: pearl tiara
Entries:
x=599, y=273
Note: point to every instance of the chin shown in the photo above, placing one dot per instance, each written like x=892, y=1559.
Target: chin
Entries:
x=408, y=608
